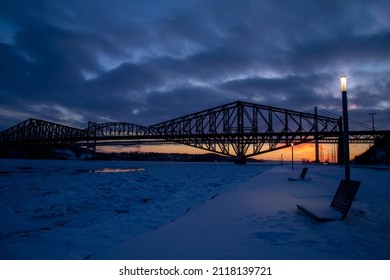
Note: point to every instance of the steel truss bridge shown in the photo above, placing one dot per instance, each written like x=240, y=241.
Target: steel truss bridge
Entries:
x=238, y=129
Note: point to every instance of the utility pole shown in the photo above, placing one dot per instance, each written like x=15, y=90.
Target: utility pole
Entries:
x=373, y=122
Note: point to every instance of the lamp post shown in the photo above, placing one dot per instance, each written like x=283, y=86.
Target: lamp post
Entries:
x=292, y=156
x=343, y=80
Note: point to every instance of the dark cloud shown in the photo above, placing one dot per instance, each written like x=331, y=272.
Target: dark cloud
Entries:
x=186, y=99
x=74, y=61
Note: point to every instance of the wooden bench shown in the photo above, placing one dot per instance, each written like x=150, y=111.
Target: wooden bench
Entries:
x=302, y=176
x=340, y=205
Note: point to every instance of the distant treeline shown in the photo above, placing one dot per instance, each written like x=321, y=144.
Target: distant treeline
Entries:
x=378, y=154
x=81, y=153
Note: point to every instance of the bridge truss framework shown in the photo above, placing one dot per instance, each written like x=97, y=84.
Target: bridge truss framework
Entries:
x=238, y=129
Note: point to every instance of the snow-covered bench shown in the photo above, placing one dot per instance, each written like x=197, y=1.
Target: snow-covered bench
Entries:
x=301, y=177
x=340, y=205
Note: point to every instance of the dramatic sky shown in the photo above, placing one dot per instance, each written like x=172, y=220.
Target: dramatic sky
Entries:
x=149, y=61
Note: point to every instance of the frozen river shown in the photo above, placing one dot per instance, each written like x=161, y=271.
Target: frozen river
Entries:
x=53, y=209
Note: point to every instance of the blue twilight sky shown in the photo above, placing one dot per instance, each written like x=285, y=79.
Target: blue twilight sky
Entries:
x=149, y=61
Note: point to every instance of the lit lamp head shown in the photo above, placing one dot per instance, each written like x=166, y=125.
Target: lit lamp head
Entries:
x=343, y=80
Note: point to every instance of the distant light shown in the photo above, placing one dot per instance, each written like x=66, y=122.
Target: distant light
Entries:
x=343, y=80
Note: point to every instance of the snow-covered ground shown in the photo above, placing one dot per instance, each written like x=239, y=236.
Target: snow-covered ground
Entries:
x=61, y=210
x=53, y=209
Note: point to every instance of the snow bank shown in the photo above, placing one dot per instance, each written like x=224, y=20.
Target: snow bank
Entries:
x=259, y=220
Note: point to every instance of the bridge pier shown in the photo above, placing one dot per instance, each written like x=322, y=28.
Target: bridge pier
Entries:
x=240, y=160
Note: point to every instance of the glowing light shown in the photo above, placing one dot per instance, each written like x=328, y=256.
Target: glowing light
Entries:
x=343, y=80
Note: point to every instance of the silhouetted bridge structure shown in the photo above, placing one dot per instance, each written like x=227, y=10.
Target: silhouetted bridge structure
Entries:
x=238, y=129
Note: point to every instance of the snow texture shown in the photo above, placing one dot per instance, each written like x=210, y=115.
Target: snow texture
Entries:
x=162, y=210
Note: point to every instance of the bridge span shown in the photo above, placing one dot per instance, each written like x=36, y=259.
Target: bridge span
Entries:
x=238, y=129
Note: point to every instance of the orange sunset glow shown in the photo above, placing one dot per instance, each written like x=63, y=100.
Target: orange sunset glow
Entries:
x=328, y=152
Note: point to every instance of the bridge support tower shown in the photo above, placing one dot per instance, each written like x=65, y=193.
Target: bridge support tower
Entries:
x=317, y=146
x=91, y=140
